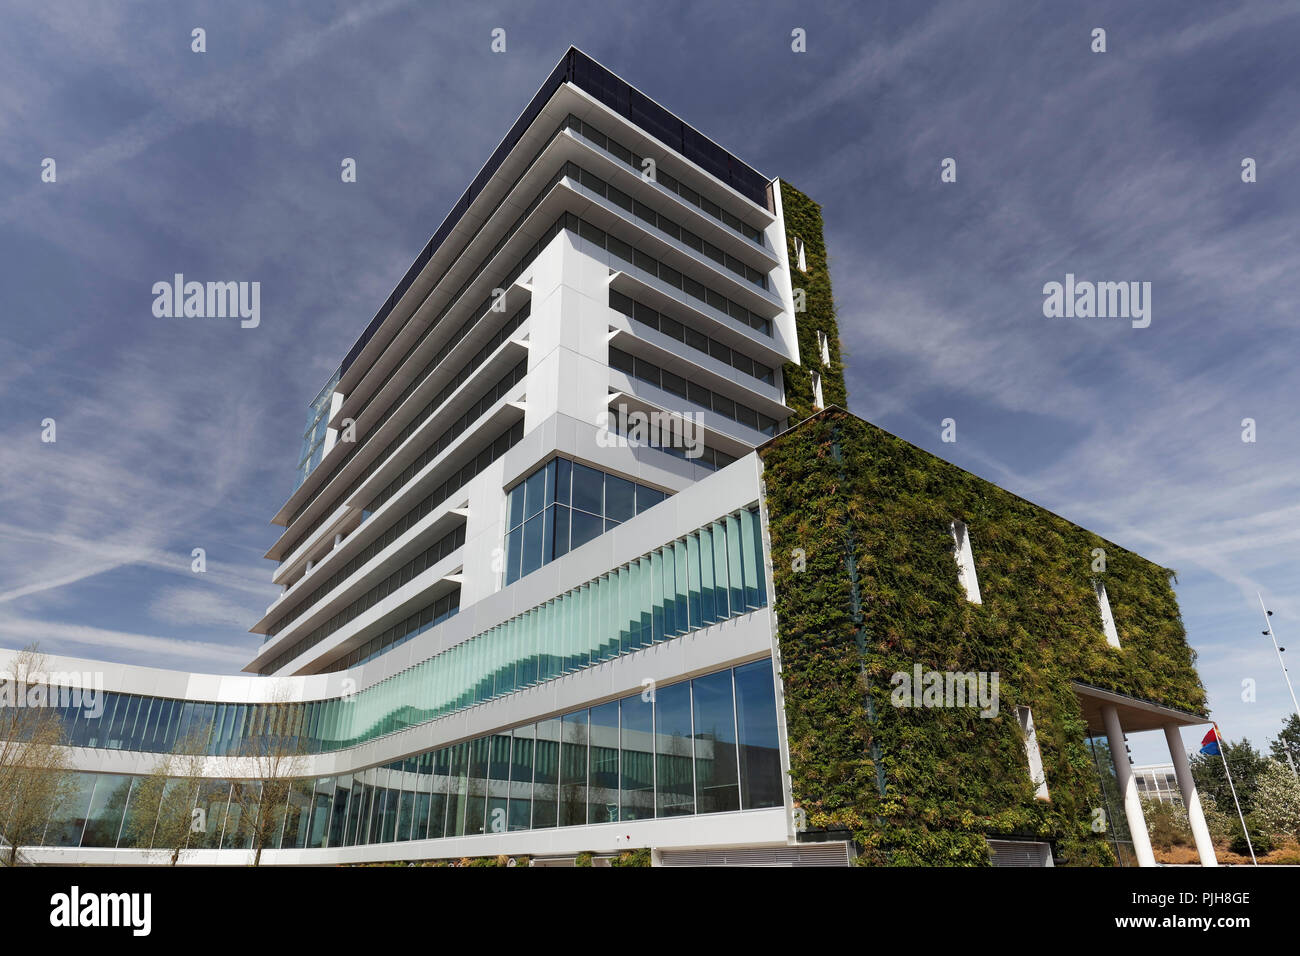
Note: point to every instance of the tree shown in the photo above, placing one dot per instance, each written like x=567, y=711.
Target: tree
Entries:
x=1246, y=764
x=1220, y=823
x=163, y=816
x=1287, y=741
x=1166, y=823
x=34, y=774
x=1277, y=801
x=269, y=758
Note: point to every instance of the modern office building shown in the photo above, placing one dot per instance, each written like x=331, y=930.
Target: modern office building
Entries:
x=1158, y=781
x=559, y=577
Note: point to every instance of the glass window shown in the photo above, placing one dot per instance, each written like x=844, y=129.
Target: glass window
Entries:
x=521, y=778
x=438, y=798
x=647, y=371
x=532, y=545
x=498, y=815
x=621, y=249
x=405, y=814
x=294, y=834
x=588, y=484
x=674, y=775
x=69, y=817
x=546, y=778
x=514, y=554
x=618, y=359
x=647, y=497
x=620, y=498
x=715, y=744
x=515, y=506
x=214, y=797
x=560, y=521
x=637, y=752
x=322, y=797
x=584, y=527
x=499, y=757
x=348, y=816
x=535, y=493
x=758, y=743
x=104, y=818
x=240, y=817
x=420, y=821
x=604, y=787
x=644, y=314
x=563, y=470
x=388, y=812
x=573, y=769
x=458, y=787
x=476, y=801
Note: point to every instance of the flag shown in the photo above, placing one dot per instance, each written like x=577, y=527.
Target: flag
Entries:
x=1210, y=743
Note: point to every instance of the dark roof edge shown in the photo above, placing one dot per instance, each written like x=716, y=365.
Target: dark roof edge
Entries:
x=607, y=87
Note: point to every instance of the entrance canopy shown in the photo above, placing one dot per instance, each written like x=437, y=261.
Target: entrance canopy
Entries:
x=1135, y=714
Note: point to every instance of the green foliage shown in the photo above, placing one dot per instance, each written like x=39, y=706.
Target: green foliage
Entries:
x=881, y=515
x=1246, y=764
x=803, y=218
x=639, y=857
x=1277, y=800
x=1167, y=824
x=1259, y=840
x=1287, y=741
x=1218, y=821
x=501, y=860
x=584, y=858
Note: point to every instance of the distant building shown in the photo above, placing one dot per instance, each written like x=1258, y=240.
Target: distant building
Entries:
x=1159, y=782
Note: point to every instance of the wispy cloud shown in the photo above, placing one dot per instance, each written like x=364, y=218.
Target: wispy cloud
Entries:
x=90, y=641
x=175, y=435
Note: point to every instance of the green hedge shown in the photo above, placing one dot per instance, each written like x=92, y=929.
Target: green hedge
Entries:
x=803, y=218
x=949, y=776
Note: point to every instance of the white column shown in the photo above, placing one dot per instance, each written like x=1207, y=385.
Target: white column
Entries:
x=1191, y=799
x=1137, y=824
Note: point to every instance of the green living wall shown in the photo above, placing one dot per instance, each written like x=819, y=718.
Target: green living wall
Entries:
x=803, y=219
x=877, y=591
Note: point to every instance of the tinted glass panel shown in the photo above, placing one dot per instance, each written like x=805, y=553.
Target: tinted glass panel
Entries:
x=673, y=765
x=715, y=744
x=637, y=743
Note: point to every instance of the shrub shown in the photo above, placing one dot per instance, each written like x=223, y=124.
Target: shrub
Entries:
x=1261, y=841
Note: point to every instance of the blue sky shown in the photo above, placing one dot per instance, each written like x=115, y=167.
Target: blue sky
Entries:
x=174, y=434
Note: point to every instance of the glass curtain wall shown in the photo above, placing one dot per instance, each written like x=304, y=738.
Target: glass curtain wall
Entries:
x=705, y=745
x=710, y=575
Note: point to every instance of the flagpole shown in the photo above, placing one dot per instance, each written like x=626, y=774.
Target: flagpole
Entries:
x=1218, y=739
x=1280, y=663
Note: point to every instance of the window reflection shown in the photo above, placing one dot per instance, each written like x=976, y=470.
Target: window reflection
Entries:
x=563, y=505
x=706, y=745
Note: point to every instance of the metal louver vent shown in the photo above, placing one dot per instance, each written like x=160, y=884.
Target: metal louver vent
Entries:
x=1020, y=853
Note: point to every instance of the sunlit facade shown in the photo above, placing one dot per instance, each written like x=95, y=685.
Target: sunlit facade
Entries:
x=509, y=623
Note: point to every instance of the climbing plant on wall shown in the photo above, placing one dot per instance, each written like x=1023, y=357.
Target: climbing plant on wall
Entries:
x=803, y=220
x=874, y=591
